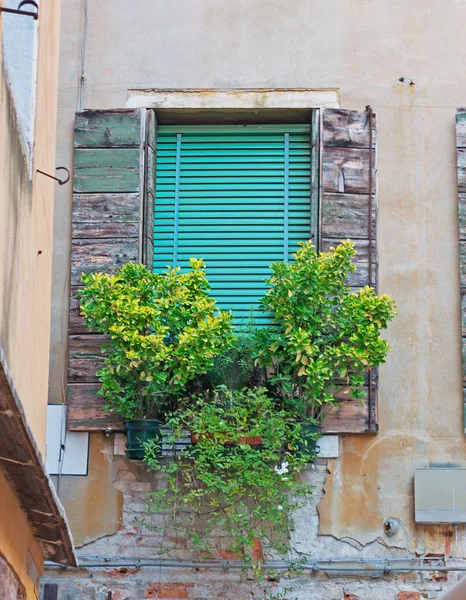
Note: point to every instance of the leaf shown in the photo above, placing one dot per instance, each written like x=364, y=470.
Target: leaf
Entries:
x=301, y=371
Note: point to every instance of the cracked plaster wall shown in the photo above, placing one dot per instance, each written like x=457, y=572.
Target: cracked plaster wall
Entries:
x=362, y=48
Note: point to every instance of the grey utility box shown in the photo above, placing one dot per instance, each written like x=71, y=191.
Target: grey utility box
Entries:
x=440, y=495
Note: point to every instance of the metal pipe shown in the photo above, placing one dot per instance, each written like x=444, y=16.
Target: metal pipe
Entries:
x=384, y=565
x=319, y=560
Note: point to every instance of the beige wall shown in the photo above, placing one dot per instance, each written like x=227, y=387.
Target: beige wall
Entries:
x=26, y=231
x=361, y=47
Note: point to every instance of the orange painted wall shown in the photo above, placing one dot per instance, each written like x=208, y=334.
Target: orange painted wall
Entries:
x=17, y=540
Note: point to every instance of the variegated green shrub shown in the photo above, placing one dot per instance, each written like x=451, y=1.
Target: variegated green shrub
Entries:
x=165, y=332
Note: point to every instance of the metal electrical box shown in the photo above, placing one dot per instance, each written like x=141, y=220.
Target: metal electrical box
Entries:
x=440, y=495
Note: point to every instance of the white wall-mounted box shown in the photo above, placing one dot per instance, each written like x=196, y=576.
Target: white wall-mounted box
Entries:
x=440, y=495
x=74, y=455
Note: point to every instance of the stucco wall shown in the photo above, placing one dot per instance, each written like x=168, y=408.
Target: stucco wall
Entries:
x=26, y=230
x=361, y=47
x=18, y=546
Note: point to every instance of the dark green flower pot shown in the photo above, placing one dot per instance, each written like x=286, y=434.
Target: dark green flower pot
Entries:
x=307, y=448
x=139, y=431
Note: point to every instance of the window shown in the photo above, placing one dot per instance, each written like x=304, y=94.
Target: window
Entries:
x=236, y=196
x=225, y=197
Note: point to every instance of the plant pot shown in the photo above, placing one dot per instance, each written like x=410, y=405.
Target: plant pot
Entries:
x=139, y=431
x=307, y=448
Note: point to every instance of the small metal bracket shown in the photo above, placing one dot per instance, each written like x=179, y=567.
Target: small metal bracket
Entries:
x=60, y=181
x=27, y=13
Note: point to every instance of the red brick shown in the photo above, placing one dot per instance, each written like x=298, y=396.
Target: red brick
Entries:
x=122, y=572
x=409, y=596
x=175, y=591
x=257, y=551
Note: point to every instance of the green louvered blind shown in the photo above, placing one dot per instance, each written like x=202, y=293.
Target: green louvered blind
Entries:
x=237, y=197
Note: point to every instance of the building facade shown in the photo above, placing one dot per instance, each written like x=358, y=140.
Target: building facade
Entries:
x=32, y=522
x=205, y=63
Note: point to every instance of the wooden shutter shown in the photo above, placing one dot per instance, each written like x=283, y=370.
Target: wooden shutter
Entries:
x=348, y=209
x=461, y=171
x=236, y=196
x=114, y=161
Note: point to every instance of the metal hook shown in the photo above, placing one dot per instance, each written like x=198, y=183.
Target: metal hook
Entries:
x=28, y=13
x=60, y=182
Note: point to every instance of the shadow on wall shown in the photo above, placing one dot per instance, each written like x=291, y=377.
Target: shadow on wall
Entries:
x=15, y=204
x=94, y=507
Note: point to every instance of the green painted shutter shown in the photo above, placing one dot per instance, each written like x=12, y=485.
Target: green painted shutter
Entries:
x=237, y=197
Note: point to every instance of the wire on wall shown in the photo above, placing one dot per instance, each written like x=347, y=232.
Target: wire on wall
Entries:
x=83, y=57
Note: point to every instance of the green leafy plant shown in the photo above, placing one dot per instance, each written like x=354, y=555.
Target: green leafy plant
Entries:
x=165, y=332
x=224, y=482
x=327, y=336
x=236, y=367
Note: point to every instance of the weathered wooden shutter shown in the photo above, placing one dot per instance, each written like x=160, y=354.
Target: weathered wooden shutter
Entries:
x=236, y=196
x=461, y=171
x=114, y=170
x=348, y=209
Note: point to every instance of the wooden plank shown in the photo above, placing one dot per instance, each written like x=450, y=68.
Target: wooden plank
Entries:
x=76, y=323
x=463, y=347
x=105, y=255
x=85, y=357
x=149, y=190
x=346, y=128
x=462, y=215
x=346, y=216
x=105, y=215
x=151, y=128
x=350, y=417
x=361, y=260
x=462, y=264
x=106, y=170
x=461, y=129
x=463, y=312
x=107, y=129
x=85, y=410
x=345, y=170
x=464, y=408
x=461, y=166
x=85, y=413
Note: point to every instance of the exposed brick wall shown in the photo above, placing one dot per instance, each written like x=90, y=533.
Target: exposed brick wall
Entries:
x=10, y=587
x=133, y=540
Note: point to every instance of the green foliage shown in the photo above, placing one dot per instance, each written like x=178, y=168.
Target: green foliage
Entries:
x=236, y=367
x=165, y=332
x=224, y=482
x=327, y=336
